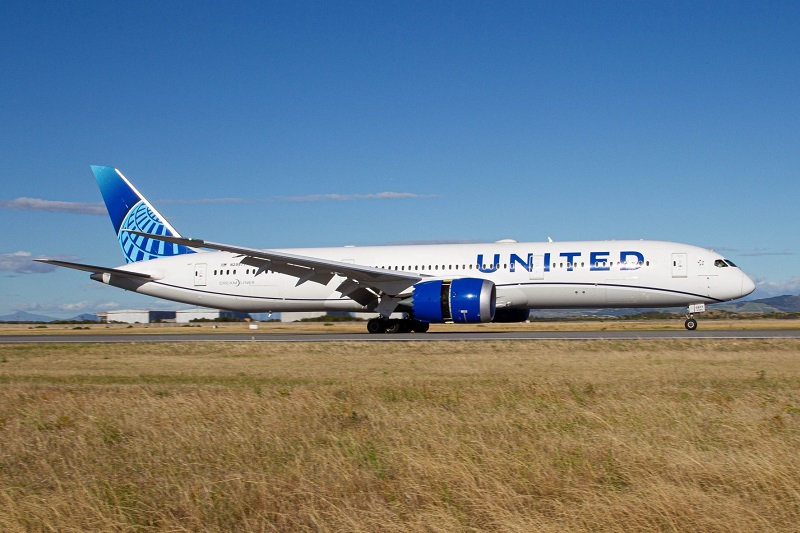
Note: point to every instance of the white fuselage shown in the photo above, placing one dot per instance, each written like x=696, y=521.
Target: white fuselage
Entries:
x=588, y=274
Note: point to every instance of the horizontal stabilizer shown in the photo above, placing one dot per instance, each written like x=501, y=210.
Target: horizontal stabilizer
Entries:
x=96, y=269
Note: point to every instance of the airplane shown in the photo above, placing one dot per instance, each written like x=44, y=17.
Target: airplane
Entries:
x=423, y=284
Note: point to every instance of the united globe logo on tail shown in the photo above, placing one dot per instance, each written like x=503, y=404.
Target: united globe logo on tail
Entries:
x=138, y=248
x=129, y=210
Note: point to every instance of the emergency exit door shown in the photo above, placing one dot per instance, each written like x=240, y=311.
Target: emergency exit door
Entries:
x=200, y=275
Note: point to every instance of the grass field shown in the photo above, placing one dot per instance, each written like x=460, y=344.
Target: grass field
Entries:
x=698, y=435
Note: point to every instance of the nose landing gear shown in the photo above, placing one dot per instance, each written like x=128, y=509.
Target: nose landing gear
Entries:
x=691, y=322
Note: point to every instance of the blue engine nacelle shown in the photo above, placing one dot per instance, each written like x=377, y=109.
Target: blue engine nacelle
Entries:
x=459, y=300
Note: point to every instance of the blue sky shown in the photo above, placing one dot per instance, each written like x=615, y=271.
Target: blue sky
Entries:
x=283, y=124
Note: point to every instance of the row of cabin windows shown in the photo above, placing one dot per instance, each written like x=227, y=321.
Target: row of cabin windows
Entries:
x=505, y=266
x=403, y=268
x=228, y=272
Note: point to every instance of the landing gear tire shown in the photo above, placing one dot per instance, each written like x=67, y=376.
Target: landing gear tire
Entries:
x=394, y=326
x=376, y=325
x=399, y=326
x=690, y=324
x=419, y=327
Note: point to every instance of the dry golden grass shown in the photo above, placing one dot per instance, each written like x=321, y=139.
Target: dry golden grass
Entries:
x=696, y=435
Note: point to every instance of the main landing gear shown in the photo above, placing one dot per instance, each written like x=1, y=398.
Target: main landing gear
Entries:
x=396, y=325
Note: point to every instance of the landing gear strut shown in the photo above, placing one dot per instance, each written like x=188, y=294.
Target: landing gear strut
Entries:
x=691, y=322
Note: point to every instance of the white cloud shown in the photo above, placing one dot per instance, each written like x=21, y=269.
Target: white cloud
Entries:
x=37, y=204
x=23, y=263
x=767, y=289
x=69, y=308
x=346, y=197
x=765, y=252
x=76, y=306
x=388, y=195
x=85, y=208
x=762, y=253
x=85, y=306
x=204, y=201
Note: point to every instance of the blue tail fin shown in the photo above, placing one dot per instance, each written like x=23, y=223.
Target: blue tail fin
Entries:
x=130, y=210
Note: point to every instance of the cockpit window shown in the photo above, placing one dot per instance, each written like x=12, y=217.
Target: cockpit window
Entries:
x=730, y=263
x=720, y=263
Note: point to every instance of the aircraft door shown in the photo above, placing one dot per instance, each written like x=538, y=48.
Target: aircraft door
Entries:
x=679, y=267
x=200, y=275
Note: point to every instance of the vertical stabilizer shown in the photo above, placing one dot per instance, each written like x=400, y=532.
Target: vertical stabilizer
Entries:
x=130, y=210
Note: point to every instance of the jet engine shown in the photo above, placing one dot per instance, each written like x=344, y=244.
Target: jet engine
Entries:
x=460, y=300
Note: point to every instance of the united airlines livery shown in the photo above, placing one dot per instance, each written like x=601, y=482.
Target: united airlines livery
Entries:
x=423, y=284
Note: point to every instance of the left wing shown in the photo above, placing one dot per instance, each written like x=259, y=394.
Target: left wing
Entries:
x=363, y=284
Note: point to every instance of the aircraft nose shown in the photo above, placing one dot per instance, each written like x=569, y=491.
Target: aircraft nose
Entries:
x=747, y=285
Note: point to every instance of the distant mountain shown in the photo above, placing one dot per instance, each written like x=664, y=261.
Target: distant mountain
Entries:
x=85, y=317
x=777, y=304
x=22, y=316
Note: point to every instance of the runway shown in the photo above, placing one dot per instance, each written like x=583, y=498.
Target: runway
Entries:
x=632, y=335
